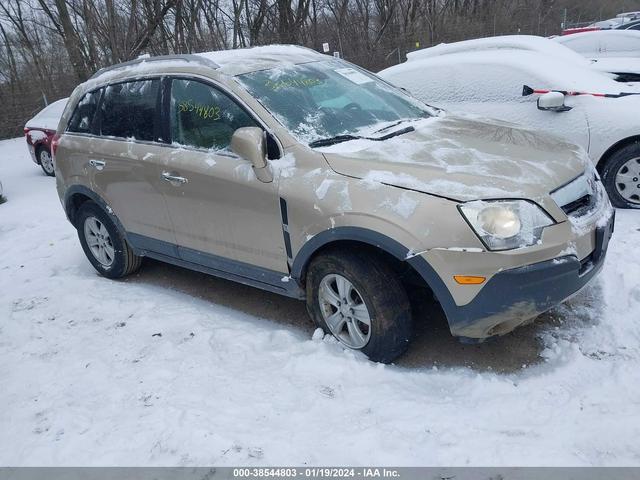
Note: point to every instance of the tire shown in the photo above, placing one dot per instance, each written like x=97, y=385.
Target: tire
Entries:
x=379, y=294
x=46, y=161
x=621, y=176
x=117, y=259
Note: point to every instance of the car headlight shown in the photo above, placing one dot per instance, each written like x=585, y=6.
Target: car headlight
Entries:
x=506, y=224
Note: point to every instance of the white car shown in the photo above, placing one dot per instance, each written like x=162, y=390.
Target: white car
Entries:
x=603, y=43
x=489, y=82
x=622, y=68
x=616, y=51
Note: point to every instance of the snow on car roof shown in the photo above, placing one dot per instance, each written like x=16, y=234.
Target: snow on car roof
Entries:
x=229, y=62
x=243, y=60
x=49, y=116
x=603, y=43
x=506, y=42
x=558, y=74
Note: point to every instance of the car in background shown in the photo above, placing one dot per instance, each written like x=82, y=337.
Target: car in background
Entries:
x=39, y=132
x=489, y=82
x=614, y=51
x=603, y=43
x=620, y=21
x=633, y=25
x=623, y=69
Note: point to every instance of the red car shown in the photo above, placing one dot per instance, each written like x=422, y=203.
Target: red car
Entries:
x=39, y=132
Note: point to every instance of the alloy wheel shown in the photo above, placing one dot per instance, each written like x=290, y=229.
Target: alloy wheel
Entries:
x=46, y=161
x=344, y=311
x=99, y=241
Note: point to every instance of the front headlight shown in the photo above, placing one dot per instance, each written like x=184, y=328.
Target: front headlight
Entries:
x=506, y=224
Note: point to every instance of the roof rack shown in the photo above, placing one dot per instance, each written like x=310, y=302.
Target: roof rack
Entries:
x=187, y=57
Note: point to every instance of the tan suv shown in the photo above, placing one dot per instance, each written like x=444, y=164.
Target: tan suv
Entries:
x=304, y=175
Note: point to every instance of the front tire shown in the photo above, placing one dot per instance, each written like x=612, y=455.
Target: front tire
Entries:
x=359, y=299
x=621, y=176
x=103, y=244
x=46, y=161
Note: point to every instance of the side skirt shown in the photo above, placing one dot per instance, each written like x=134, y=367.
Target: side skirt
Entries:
x=217, y=266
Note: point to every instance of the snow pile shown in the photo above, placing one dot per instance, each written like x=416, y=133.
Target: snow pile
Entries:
x=169, y=368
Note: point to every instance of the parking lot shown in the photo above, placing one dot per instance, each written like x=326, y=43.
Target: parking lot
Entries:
x=173, y=367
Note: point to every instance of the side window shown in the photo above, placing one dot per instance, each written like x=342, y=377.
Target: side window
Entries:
x=204, y=117
x=128, y=110
x=82, y=117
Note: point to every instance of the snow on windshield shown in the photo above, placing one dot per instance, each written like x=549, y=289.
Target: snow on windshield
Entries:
x=325, y=99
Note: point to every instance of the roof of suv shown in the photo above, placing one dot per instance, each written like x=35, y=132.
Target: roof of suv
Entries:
x=228, y=62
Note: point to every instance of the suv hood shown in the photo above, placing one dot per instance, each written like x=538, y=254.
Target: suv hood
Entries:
x=463, y=158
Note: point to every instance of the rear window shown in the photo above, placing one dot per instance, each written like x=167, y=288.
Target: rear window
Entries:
x=82, y=118
x=129, y=110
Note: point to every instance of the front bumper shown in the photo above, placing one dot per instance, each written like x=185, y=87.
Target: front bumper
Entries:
x=514, y=296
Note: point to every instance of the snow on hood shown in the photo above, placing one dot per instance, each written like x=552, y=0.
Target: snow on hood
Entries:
x=49, y=117
x=617, y=64
x=463, y=159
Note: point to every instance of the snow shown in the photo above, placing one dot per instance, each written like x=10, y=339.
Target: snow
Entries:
x=507, y=68
x=242, y=60
x=603, y=43
x=49, y=116
x=145, y=372
x=500, y=44
x=617, y=64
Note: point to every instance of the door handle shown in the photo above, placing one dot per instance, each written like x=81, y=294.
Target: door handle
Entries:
x=98, y=164
x=169, y=177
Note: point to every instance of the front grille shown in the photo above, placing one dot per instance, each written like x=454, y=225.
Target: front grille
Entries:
x=578, y=197
x=579, y=206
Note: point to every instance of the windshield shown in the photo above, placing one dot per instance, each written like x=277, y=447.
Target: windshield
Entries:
x=320, y=100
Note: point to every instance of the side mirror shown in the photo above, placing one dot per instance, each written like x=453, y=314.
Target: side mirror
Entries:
x=553, y=102
x=250, y=144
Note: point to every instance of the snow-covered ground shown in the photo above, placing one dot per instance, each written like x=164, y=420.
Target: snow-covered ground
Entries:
x=87, y=379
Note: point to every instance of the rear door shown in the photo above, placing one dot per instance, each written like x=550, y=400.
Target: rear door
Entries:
x=220, y=210
x=125, y=161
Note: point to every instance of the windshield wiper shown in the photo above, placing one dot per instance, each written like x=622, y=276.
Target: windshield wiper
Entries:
x=324, y=142
x=394, y=124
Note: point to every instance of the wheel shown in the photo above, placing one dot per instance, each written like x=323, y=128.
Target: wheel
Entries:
x=103, y=244
x=46, y=161
x=360, y=300
x=621, y=177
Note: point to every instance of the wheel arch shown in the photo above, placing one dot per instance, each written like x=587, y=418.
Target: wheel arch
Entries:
x=77, y=195
x=350, y=236
x=614, y=148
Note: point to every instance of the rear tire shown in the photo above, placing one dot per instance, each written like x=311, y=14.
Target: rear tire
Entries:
x=46, y=161
x=621, y=176
x=103, y=244
x=372, y=291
